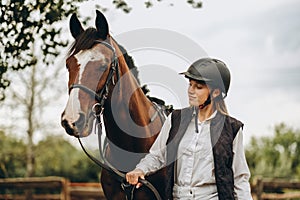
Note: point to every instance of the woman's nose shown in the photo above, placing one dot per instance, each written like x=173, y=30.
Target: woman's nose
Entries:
x=190, y=90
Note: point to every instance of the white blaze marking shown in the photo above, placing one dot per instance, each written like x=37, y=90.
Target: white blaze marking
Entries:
x=73, y=105
x=83, y=57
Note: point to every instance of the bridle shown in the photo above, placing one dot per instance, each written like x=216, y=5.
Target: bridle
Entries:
x=100, y=96
x=97, y=109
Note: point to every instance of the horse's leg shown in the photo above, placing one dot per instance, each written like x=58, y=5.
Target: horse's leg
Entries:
x=111, y=187
x=158, y=180
x=143, y=193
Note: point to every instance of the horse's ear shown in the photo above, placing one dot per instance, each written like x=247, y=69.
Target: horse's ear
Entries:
x=75, y=26
x=101, y=25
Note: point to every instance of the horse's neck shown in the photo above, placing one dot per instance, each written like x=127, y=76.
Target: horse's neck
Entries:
x=128, y=111
x=127, y=102
x=129, y=90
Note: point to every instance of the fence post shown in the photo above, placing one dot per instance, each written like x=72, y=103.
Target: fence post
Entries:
x=65, y=193
x=259, y=187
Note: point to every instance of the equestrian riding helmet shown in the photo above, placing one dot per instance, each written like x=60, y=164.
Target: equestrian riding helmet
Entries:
x=211, y=71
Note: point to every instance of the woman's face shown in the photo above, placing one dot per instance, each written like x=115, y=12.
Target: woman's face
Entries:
x=197, y=92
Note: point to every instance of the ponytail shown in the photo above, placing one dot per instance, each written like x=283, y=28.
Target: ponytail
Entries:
x=221, y=107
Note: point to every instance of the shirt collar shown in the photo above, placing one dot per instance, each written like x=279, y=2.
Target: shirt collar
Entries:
x=210, y=117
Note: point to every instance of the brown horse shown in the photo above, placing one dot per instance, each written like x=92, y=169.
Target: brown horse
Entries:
x=102, y=81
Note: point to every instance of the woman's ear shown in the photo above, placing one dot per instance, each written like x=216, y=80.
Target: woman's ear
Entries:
x=216, y=92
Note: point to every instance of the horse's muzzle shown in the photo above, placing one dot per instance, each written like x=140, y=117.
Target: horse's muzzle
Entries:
x=67, y=127
x=74, y=128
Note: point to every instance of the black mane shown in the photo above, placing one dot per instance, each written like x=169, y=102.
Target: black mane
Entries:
x=130, y=63
x=85, y=40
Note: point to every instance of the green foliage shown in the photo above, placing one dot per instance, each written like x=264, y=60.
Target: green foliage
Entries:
x=195, y=4
x=12, y=157
x=28, y=27
x=123, y=5
x=276, y=156
x=54, y=157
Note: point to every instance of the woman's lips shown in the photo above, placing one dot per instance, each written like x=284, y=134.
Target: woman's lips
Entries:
x=192, y=98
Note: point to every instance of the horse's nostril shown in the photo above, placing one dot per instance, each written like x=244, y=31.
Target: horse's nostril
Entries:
x=80, y=122
x=67, y=127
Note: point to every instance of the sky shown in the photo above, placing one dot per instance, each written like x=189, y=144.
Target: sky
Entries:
x=258, y=40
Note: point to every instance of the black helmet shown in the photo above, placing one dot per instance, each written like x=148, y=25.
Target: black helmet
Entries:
x=211, y=71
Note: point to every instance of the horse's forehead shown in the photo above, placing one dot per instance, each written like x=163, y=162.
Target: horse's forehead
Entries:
x=85, y=56
x=82, y=58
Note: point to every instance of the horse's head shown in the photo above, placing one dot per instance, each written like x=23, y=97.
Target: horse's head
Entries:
x=92, y=66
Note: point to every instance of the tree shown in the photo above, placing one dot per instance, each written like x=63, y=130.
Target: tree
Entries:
x=64, y=160
x=276, y=156
x=55, y=156
x=34, y=90
x=30, y=33
x=30, y=30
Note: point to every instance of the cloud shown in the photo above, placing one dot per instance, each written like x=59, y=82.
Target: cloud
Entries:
x=282, y=24
x=265, y=48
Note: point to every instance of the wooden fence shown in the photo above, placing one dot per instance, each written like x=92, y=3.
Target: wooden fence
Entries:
x=90, y=191
x=48, y=188
x=275, y=189
x=58, y=188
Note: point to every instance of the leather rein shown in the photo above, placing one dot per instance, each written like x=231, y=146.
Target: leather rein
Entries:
x=97, y=109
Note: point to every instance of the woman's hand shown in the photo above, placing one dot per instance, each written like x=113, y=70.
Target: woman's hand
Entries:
x=133, y=177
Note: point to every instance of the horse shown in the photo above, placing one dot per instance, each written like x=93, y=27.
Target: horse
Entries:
x=103, y=81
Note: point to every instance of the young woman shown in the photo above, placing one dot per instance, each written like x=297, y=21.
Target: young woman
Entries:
x=201, y=146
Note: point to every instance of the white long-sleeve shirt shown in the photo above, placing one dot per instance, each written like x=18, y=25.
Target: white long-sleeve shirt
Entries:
x=195, y=165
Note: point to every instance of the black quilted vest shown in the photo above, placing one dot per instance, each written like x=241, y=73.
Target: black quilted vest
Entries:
x=223, y=130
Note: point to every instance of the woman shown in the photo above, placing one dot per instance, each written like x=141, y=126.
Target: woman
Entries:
x=201, y=146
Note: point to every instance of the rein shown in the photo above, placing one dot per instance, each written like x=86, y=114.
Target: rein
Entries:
x=100, y=97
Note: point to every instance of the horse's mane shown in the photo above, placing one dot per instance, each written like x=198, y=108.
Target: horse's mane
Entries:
x=130, y=63
x=85, y=40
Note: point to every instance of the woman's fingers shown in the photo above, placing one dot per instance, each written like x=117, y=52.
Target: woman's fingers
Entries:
x=138, y=185
x=133, y=177
x=142, y=176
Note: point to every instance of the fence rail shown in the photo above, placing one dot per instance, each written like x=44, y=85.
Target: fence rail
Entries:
x=79, y=191
x=50, y=188
x=58, y=188
x=275, y=189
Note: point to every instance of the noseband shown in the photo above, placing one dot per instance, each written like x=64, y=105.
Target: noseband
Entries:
x=100, y=96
